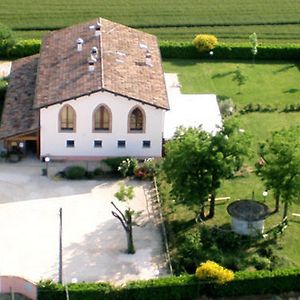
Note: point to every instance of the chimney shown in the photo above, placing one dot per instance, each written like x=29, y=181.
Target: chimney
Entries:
x=98, y=29
x=92, y=62
x=79, y=44
x=148, y=59
x=94, y=52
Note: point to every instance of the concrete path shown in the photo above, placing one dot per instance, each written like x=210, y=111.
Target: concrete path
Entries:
x=189, y=110
x=4, y=68
x=94, y=241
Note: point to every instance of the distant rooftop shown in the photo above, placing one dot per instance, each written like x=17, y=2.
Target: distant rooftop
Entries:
x=18, y=116
x=128, y=63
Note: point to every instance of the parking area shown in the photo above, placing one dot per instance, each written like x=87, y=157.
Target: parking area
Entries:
x=94, y=242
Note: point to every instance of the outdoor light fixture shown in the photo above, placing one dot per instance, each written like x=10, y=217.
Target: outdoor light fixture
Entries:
x=265, y=194
x=47, y=160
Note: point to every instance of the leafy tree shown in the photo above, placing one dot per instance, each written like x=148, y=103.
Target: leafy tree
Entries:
x=197, y=161
x=279, y=166
x=124, y=195
x=7, y=39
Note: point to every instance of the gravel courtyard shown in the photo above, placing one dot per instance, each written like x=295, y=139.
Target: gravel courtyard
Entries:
x=94, y=242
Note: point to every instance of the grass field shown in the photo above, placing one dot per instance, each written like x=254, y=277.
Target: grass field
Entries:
x=267, y=84
x=230, y=20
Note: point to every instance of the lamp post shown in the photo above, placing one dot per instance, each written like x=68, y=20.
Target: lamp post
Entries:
x=47, y=160
x=265, y=194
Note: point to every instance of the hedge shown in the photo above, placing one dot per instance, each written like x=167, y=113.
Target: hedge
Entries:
x=180, y=288
x=186, y=50
x=21, y=48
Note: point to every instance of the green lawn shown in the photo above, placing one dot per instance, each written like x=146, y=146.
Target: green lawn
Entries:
x=267, y=84
x=273, y=20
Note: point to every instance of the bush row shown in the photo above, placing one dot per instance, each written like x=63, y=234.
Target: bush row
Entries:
x=186, y=50
x=250, y=108
x=20, y=49
x=181, y=287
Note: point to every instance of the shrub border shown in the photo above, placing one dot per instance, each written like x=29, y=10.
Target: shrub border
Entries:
x=186, y=50
x=181, y=287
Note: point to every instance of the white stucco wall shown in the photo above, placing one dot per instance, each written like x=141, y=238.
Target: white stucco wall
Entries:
x=53, y=142
x=247, y=228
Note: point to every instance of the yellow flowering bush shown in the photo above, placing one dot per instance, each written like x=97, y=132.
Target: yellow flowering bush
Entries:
x=205, y=42
x=212, y=271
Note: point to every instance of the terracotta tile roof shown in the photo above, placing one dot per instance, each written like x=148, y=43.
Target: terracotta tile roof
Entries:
x=63, y=71
x=18, y=115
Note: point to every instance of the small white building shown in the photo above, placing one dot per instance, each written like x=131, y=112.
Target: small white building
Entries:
x=95, y=90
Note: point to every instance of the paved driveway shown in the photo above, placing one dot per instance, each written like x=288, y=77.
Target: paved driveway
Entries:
x=94, y=242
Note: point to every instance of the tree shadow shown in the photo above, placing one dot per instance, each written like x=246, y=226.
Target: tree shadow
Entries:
x=222, y=75
x=284, y=69
x=291, y=91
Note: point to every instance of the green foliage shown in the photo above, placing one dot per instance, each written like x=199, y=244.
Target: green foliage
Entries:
x=229, y=51
x=113, y=163
x=148, y=169
x=292, y=108
x=196, y=161
x=205, y=42
x=125, y=193
x=75, y=172
x=250, y=108
x=181, y=288
x=274, y=21
x=7, y=40
x=25, y=48
x=279, y=166
x=3, y=88
x=127, y=166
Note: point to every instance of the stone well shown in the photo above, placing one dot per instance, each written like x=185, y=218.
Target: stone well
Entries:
x=247, y=216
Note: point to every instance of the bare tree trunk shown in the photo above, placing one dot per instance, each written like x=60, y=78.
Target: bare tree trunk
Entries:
x=130, y=246
x=285, y=210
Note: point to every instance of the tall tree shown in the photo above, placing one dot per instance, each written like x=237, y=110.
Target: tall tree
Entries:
x=124, y=195
x=197, y=161
x=279, y=166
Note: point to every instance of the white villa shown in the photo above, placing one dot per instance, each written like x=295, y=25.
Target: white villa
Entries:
x=95, y=90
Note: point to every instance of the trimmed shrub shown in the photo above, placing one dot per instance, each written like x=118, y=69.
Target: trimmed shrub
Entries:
x=181, y=288
x=75, y=172
x=242, y=51
x=205, y=42
x=25, y=48
x=212, y=271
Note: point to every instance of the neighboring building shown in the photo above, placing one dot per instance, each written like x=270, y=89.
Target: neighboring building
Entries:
x=95, y=90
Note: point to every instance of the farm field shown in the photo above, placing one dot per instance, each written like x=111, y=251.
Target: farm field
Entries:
x=231, y=20
x=275, y=84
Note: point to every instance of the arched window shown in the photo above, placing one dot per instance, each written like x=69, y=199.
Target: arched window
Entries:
x=136, y=120
x=67, y=118
x=102, y=118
